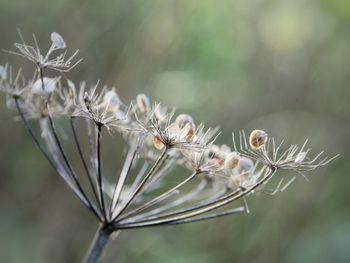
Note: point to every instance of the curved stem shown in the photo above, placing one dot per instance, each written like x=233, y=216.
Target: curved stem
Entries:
x=98, y=244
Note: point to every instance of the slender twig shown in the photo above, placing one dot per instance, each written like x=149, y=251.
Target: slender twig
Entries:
x=199, y=205
x=37, y=142
x=211, y=216
x=123, y=175
x=99, y=171
x=32, y=133
x=81, y=154
x=70, y=168
x=211, y=207
x=64, y=156
x=154, y=168
x=196, y=219
x=192, y=194
x=159, y=198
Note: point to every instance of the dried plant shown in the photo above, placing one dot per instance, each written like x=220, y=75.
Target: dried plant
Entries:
x=156, y=142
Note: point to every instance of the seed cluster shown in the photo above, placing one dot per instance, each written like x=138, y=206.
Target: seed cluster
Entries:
x=156, y=142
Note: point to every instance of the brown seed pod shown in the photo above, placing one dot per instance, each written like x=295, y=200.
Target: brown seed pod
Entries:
x=257, y=139
x=232, y=160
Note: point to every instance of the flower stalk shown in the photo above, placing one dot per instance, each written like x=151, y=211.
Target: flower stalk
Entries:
x=98, y=244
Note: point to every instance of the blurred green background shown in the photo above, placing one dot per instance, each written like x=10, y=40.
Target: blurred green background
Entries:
x=282, y=66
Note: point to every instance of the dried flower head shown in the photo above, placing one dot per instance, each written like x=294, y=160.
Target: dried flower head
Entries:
x=56, y=62
x=232, y=160
x=155, y=145
x=257, y=139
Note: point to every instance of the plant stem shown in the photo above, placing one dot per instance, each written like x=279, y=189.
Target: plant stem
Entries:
x=99, y=171
x=98, y=244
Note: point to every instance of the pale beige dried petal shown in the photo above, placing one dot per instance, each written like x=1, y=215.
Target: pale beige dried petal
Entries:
x=157, y=142
x=300, y=157
x=173, y=131
x=187, y=132
x=143, y=103
x=184, y=119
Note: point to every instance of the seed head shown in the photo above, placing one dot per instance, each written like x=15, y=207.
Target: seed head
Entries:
x=245, y=165
x=184, y=119
x=231, y=160
x=257, y=139
x=55, y=58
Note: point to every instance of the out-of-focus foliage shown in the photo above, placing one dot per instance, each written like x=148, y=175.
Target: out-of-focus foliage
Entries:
x=282, y=66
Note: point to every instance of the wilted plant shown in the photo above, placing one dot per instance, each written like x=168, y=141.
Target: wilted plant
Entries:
x=156, y=142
